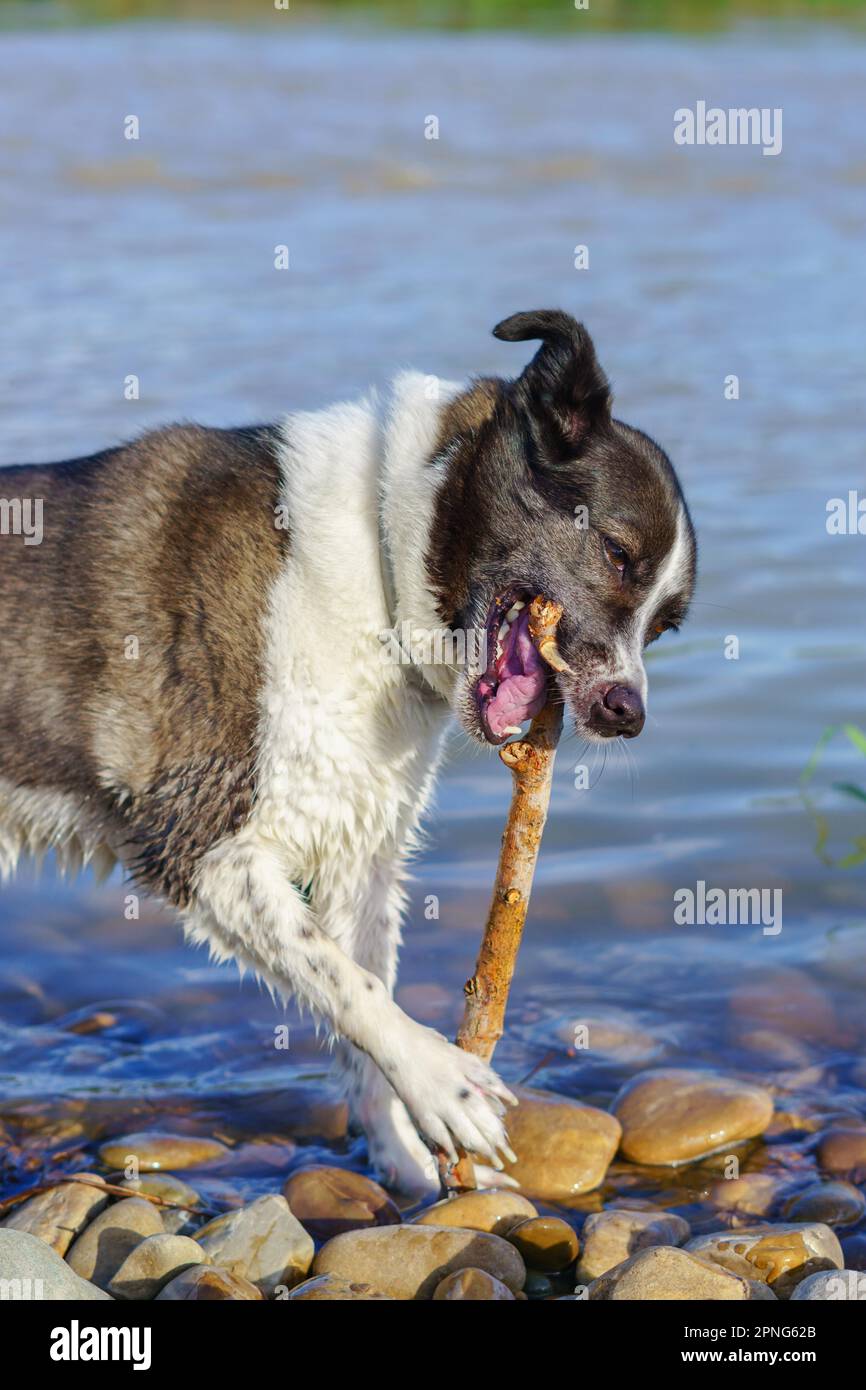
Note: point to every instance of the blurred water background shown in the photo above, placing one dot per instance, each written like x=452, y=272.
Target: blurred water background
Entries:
x=155, y=257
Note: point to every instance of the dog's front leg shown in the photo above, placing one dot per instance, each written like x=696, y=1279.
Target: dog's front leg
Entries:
x=246, y=908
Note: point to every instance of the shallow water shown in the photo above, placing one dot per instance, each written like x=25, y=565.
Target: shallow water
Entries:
x=155, y=258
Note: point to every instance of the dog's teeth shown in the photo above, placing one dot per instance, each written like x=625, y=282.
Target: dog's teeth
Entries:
x=514, y=610
x=511, y=729
x=503, y=631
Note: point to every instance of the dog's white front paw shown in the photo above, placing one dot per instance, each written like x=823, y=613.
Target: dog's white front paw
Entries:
x=455, y=1099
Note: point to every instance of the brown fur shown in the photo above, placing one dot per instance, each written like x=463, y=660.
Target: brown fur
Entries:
x=171, y=541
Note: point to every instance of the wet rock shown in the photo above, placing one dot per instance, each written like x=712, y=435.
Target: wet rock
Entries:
x=263, y=1242
x=665, y=1273
x=611, y=1237
x=785, y=1001
x=105, y=1243
x=57, y=1216
x=835, y=1285
x=154, y=1152
x=750, y=1195
x=672, y=1116
x=538, y=1285
x=472, y=1285
x=411, y=1261
x=208, y=1284
x=153, y=1263
x=328, y=1201
x=781, y=1255
x=563, y=1148
x=761, y=1291
x=494, y=1210
x=774, y=1049
x=609, y=1036
x=843, y=1150
x=547, y=1243
x=34, y=1270
x=170, y=1189
x=836, y=1203
x=331, y=1288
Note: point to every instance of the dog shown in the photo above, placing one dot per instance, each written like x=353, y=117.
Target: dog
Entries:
x=194, y=680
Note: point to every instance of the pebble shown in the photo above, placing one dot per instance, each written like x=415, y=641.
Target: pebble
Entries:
x=472, y=1285
x=411, y=1261
x=206, y=1284
x=671, y=1116
x=328, y=1201
x=105, y=1243
x=609, y=1037
x=26, y=1257
x=750, y=1195
x=837, y=1203
x=154, y=1152
x=781, y=1255
x=58, y=1215
x=547, y=1243
x=169, y=1189
x=494, y=1210
x=263, y=1242
x=831, y=1285
x=563, y=1148
x=774, y=1049
x=153, y=1263
x=331, y=1288
x=665, y=1273
x=538, y=1285
x=610, y=1237
x=785, y=1001
x=843, y=1150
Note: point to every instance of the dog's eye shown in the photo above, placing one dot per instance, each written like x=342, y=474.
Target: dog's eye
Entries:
x=658, y=628
x=615, y=554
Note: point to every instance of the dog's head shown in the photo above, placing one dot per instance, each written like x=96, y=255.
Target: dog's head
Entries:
x=545, y=493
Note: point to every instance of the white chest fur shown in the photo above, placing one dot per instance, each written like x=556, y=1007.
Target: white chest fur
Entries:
x=349, y=736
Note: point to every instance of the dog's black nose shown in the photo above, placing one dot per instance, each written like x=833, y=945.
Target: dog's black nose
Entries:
x=620, y=711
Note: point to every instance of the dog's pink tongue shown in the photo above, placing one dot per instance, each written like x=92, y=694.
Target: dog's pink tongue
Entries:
x=522, y=678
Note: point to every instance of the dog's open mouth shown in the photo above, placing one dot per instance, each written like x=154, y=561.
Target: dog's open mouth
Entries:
x=514, y=686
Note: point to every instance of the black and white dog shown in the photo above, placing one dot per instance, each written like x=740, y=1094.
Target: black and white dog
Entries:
x=192, y=678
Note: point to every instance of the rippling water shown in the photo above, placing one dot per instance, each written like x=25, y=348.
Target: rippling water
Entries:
x=156, y=258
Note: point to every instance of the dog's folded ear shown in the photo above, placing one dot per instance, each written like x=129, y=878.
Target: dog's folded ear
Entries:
x=563, y=382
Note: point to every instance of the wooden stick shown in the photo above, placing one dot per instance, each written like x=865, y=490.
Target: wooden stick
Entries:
x=530, y=760
x=110, y=1187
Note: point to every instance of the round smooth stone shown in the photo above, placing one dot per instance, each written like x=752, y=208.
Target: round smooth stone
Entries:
x=495, y=1209
x=411, y=1261
x=333, y=1288
x=671, y=1116
x=563, y=1148
x=843, y=1150
x=836, y=1203
x=103, y=1246
x=547, y=1243
x=472, y=1285
x=612, y=1236
x=153, y=1152
x=328, y=1201
x=208, y=1284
